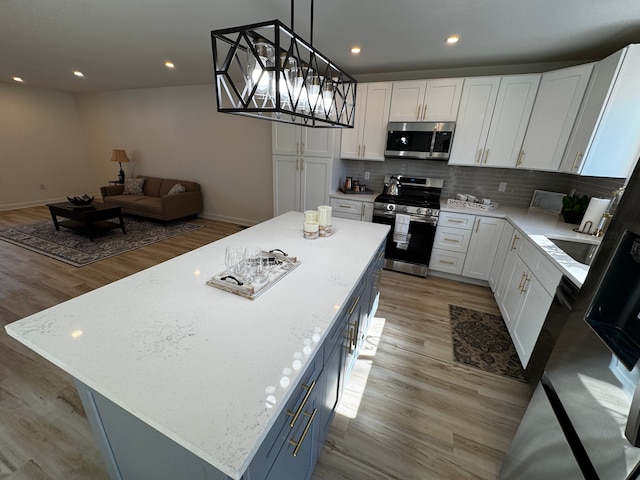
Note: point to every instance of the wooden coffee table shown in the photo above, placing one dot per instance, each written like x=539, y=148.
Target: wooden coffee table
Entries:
x=89, y=219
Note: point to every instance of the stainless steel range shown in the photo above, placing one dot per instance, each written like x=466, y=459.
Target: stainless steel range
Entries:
x=410, y=205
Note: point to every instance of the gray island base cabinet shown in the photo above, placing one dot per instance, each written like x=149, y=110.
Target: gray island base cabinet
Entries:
x=185, y=381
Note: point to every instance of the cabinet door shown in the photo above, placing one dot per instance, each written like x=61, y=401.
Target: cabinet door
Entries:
x=510, y=119
x=316, y=142
x=352, y=137
x=407, y=101
x=315, y=174
x=501, y=255
x=554, y=113
x=367, y=211
x=286, y=183
x=482, y=247
x=374, y=132
x=512, y=280
x=306, y=432
x=442, y=100
x=285, y=139
x=605, y=141
x=535, y=306
x=474, y=118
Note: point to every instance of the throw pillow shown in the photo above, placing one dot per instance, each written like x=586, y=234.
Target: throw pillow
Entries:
x=133, y=186
x=177, y=188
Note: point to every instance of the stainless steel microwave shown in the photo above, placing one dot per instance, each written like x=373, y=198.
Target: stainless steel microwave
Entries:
x=419, y=140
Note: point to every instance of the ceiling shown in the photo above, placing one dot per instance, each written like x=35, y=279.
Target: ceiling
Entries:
x=123, y=44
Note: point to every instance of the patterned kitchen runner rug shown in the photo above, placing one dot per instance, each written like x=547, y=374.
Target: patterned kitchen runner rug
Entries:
x=76, y=249
x=481, y=340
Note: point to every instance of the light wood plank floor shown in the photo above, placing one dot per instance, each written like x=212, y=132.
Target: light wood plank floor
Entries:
x=410, y=412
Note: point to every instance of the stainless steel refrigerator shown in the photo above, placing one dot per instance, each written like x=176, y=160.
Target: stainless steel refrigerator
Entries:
x=582, y=421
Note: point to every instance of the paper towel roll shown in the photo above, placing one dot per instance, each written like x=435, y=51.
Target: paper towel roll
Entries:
x=597, y=206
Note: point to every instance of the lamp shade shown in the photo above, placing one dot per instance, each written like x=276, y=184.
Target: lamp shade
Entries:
x=119, y=156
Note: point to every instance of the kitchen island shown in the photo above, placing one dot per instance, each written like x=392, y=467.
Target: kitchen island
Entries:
x=183, y=380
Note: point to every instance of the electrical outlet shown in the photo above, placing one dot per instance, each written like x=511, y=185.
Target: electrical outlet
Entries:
x=502, y=187
x=367, y=175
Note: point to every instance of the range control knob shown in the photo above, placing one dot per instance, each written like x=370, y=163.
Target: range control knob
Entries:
x=419, y=211
x=391, y=207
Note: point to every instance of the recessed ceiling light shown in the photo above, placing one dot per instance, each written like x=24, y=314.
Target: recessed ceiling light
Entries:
x=355, y=50
x=453, y=39
x=78, y=73
x=169, y=64
x=18, y=79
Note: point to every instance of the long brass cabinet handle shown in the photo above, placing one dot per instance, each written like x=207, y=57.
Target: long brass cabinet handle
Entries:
x=520, y=158
x=479, y=155
x=575, y=160
x=522, y=280
x=354, y=305
x=301, y=164
x=296, y=414
x=477, y=225
x=486, y=155
x=418, y=112
x=424, y=112
x=298, y=444
x=364, y=147
x=526, y=283
x=515, y=240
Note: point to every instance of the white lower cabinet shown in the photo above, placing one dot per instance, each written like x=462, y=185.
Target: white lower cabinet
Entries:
x=351, y=209
x=482, y=247
x=524, y=293
x=465, y=244
x=501, y=255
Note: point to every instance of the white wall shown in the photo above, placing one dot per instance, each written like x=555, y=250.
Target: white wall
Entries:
x=176, y=132
x=42, y=150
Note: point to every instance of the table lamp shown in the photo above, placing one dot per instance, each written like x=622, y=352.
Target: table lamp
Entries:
x=120, y=156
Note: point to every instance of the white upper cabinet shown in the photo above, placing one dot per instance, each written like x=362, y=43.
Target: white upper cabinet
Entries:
x=554, y=113
x=289, y=139
x=605, y=141
x=474, y=118
x=493, y=118
x=367, y=139
x=435, y=100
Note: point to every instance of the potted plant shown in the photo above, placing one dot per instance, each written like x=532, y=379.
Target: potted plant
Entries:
x=573, y=208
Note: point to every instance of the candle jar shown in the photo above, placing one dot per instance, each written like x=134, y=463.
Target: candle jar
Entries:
x=311, y=230
x=348, y=183
x=310, y=216
x=324, y=220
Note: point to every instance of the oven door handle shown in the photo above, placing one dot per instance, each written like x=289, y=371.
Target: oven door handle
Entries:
x=427, y=221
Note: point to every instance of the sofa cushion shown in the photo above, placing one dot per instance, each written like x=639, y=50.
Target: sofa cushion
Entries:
x=167, y=184
x=176, y=189
x=152, y=186
x=133, y=186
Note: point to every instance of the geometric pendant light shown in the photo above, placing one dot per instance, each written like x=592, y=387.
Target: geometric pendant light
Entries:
x=265, y=70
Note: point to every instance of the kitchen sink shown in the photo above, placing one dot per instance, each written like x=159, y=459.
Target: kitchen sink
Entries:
x=580, y=251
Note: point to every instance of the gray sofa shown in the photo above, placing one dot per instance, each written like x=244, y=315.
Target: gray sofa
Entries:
x=154, y=202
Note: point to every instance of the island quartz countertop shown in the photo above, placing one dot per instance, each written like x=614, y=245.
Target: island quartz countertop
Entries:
x=207, y=368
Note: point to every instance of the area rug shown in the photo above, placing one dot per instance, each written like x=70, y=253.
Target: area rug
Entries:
x=481, y=340
x=76, y=249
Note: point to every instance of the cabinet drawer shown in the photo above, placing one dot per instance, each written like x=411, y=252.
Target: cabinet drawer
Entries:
x=446, y=261
x=346, y=206
x=348, y=216
x=456, y=220
x=541, y=266
x=452, y=239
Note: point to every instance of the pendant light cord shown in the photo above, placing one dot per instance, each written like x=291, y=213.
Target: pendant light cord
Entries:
x=311, y=26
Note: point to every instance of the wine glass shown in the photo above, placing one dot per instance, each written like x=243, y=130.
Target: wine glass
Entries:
x=257, y=265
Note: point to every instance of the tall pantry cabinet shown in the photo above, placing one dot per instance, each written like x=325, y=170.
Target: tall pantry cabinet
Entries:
x=306, y=166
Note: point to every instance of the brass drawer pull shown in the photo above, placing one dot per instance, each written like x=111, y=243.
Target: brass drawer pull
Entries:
x=297, y=413
x=345, y=206
x=446, y=262
x=453, y=220
x=298, y=444
x=454, y=240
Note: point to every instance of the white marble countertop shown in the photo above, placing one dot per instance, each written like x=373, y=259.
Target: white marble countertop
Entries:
x=360, y=197
x=539, y=226
x=205, y=367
